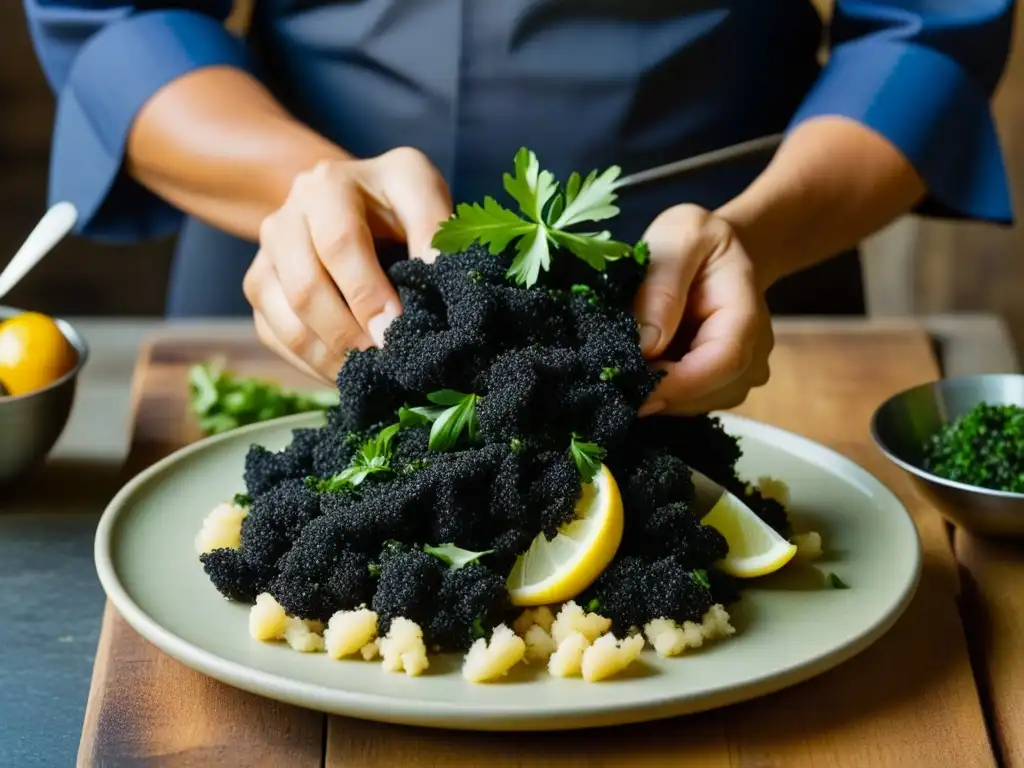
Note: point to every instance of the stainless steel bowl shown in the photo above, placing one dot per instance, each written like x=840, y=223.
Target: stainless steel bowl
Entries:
x=902, y=424
x=30, y=424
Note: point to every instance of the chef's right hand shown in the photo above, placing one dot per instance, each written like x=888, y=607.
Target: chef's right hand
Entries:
x=316, y=286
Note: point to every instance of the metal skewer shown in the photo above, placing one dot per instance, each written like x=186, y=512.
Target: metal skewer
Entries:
x=703, y=160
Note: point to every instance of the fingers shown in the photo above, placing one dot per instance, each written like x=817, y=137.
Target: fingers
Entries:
x=279, y=328
x=308, y=288
x=736, y=393
x=418, y=195
x=681, y=239
x=725, y=355
x=335, y=215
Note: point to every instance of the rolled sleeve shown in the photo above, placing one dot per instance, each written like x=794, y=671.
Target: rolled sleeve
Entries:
x=116, y=71
x=932, y=105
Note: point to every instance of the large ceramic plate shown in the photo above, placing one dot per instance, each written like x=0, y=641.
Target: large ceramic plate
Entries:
x=790, y=626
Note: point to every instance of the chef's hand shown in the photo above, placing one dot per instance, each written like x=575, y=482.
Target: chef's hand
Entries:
x=316, y=286
x=702, y=285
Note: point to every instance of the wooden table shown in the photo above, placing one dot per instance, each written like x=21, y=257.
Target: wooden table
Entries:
x=911, y=699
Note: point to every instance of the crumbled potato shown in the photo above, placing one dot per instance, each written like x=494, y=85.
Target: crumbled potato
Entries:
x=808, y=545
x=267, y=619
x=772, y=488
x=302, y=636
x=572, y=618
x=348, y=632
x=715, y=624
x=608, y=656
x=539, y=644
x=403, y=648
x=488, y=661
x=670, y=639
x=370, y=651
x=222, y=529
x=541, y=617
x=567, y=660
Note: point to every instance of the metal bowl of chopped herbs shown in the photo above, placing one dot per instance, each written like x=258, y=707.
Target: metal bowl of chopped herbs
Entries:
x=962, y=442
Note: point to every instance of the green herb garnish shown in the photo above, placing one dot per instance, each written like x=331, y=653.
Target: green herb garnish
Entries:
x=983, y=448
x=454, y=414
x=454, y=556
x=835, y=582
x=223, y=401
x=515, y=444
x=701, y=577
x=607, y=374
x=242, y=500
x=588, y=457
x=372, y=457
x=593, y=605
x=476, y=629
x=549, y=209
x=374, y=569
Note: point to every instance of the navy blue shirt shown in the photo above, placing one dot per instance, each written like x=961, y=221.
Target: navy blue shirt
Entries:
x=584, y=83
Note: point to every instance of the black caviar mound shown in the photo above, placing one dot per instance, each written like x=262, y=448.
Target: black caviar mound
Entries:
x=556, y=362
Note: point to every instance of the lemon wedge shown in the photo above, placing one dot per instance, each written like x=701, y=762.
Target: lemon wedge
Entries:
x=755, y=549
x=555, y=571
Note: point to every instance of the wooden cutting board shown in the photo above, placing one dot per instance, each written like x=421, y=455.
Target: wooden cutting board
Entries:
x=909, y=700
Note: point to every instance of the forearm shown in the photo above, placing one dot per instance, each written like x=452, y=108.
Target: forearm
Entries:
x=217, y=145
x=831, y=184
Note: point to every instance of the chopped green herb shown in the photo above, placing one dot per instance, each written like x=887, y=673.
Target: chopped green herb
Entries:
x=607, y=374
x=476, y=629
x=374, y=569
x=223, y=401
x=454, y=556
x=516, y=445
x=242, y=500
x=549, y=210
x=593, y=605
x=984, y=448
x=701, y=577
x=373, y=456
x=588, y=457
x=475, y=275
x=836, y=583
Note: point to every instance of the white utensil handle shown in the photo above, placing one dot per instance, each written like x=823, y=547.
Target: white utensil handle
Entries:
x=51, y=229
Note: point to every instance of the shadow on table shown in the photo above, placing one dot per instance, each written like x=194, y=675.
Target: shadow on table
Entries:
x=63, y=486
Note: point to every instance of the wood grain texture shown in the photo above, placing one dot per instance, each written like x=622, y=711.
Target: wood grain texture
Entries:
x=908, y=700
x=145, y=707
x=993, y=573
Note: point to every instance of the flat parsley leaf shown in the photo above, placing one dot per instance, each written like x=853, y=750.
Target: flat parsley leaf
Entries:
x=454, y=414
x=547, y=211
x=372, y=457
x=588, y=457
x=454, y=556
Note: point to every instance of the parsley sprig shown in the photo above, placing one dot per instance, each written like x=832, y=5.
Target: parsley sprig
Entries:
x=372, y=457
x=588, y=457
x=548, y=209
x=452, y=414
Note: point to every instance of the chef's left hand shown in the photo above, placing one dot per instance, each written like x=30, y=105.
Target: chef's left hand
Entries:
x=702, y=285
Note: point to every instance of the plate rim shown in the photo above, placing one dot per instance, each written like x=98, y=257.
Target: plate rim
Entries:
x=466, y=716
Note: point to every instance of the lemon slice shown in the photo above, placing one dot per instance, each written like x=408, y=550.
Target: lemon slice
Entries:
x=755, y=549
x=556, y=571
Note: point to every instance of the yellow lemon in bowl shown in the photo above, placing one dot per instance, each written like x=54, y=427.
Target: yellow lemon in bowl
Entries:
x=34, y=353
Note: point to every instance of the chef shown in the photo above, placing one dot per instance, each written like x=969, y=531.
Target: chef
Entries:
x=292, y=160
